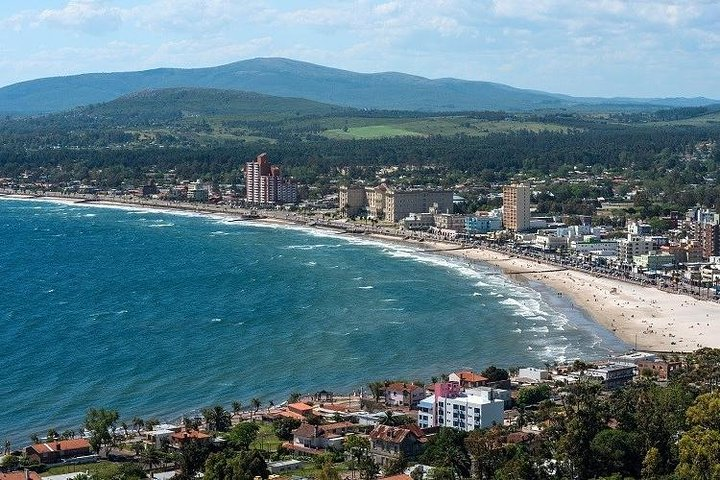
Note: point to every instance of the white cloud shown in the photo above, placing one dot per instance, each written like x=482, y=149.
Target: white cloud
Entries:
x=89, y=16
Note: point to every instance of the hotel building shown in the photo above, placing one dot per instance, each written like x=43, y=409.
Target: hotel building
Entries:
x=264, y=184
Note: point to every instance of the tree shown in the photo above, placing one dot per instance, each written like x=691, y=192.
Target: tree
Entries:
x=359, y=450
x=217, y=418
x=192, y=457
x=101, y=425
x=441, y=473
x=242, y=435
x=35, y=438
x=616, y=452
x=494, y=374
x=283, y=427
x=236, y=407
x=255, y=405
x=447, y=449
x=68, y=434
x=485, y=448
x=238, y=466
x=9, y=462
x=699, y=454
x=532, y=395
x=52, y=435
x=651, y=466
x=328, y=471
x=396, y=466
x=376, y=388
x=150, y=456
x=294, y=397
x=138, y=423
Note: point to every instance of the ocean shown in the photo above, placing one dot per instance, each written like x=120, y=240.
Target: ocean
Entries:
x=161, y=314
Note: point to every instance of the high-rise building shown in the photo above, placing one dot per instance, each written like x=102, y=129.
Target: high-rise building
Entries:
x=516, y=207
x=264, y=184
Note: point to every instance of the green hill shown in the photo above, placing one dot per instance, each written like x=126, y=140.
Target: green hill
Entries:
x=290, y=78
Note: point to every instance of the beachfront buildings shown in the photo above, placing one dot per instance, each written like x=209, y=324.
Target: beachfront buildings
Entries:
x=405, y=394
x=265, y=185
x=516, y=207
x=392, y=204
x=449, y=406
x=56, y=451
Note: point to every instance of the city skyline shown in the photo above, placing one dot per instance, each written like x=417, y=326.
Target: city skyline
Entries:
x=608, y=48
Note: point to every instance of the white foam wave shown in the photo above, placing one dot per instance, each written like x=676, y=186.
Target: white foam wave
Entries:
x=161, y=225
x=368, y=287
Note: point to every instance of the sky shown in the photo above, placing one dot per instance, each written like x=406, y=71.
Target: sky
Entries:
x=639, y=48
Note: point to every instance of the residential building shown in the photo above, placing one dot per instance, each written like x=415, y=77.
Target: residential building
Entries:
x=264, y=183
x=710, y=239
x=468, y=379
x=612, y=375
x=406, y=394
x=549, y=242
x=516, y=207
x=281, y=466
x=654, y=261
x=468, y=410
x=418, y=221
x=321, y=436
x=178, y=439
x=449, y=221
x=300, y=408
x=197, y=192
x=631, y=247
x=534, y=374
x=482, y=224
x=57, y=451
x=352, y=200
x=386, y=203
x=662, y=368
x=388, y=443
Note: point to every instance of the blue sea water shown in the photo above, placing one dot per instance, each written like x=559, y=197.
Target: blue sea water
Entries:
x=158, y=314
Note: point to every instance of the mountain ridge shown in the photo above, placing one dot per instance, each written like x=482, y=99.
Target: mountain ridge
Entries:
x=291, y=78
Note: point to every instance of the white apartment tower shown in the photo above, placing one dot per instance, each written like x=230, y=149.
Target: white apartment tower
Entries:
x=516, y=207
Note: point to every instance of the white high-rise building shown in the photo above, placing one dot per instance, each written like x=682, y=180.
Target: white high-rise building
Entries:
x=469, y=410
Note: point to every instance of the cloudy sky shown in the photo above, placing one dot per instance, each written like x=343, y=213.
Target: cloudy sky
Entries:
x=643, y=48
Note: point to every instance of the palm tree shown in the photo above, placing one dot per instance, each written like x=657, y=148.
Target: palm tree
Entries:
x=138, y=423
x=34, y=438
x=7, y=447
x=376, y=388
x=124, y=426
x=151, y=457
x=255, y=404
x=236, y=407
x=52, y=435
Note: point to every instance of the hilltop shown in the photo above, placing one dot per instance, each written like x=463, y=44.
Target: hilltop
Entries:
x=291, y=78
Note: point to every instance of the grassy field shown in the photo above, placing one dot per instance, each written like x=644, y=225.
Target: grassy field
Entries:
x=101, y=468
x=266, y=439
x=374, y=131
x=368, y=128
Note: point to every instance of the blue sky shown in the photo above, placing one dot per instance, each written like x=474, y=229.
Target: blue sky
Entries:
x=642, y=48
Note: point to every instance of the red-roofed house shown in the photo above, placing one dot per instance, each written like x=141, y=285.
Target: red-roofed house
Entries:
x=399, y=476
x=387, y=443
x=407, y=394
x=300, y=408
x=18, y=475
x=322, y=436
x=54, y=452
x=179, y=438
x=468, y=379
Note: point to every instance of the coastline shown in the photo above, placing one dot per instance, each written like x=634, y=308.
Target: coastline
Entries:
x=642, y=316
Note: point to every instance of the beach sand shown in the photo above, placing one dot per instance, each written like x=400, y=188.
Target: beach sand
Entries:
x=644, y=316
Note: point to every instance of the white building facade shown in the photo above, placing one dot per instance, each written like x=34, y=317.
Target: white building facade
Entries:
x=467, y=411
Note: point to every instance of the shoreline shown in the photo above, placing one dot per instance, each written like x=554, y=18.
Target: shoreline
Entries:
x=640, y=316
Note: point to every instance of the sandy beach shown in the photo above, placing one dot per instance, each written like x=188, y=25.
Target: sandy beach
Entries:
x=644, y=316
x=651, y=318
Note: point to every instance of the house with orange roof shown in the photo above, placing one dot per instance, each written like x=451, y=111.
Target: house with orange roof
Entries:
x=57, y=451
x=468, y=379
x=178, y=439
x=388, y=443
x=403, y=394
x=300, y=408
